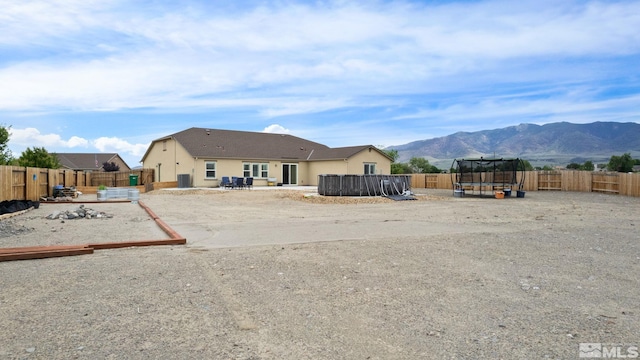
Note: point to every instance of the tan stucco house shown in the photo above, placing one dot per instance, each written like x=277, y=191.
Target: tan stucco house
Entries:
x=207, y=155
x=90, y=161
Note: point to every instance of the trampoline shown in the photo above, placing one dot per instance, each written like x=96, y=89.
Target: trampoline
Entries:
x=486, y=175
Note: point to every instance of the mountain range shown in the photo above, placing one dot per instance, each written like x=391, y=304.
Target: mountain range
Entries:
x=554, y=144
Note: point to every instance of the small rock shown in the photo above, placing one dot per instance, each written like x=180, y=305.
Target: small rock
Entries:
x=53, y=215
x=31, y=350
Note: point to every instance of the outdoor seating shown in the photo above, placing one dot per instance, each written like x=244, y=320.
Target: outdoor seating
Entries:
x=239, y=183
x=249, y=183
x=226, y=183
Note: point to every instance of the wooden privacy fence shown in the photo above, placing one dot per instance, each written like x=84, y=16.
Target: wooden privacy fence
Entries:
x=562, y=180
x=26, y=183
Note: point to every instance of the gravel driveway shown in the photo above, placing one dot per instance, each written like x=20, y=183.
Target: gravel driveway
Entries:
x=286, y=275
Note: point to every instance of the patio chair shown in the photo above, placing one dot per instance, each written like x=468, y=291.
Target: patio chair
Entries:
x=249, y=183
x=239, y=183
x=225, y=182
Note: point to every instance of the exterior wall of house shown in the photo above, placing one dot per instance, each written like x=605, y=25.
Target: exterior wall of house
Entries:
x=355, y=164
x=223, y=167
x=233, y=167
x=169, y=159
x=325, y=167
x=352, y=166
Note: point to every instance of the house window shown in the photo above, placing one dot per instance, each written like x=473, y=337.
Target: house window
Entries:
x=210, y=170
x=369, y=169
x=255, y=170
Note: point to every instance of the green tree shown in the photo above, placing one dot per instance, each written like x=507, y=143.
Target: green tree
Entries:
x=574, y=166
x=38, y=157
x=396, y=167
x=400, y=168
x=588, y=166
x=622, y=163
x=5, y=154
x=422, y=166
x=525, y=165
x=393, y=154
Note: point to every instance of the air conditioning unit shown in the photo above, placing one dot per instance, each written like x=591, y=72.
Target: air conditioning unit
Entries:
x=184, y=181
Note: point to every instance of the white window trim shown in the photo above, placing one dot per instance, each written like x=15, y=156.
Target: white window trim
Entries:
x=261, y=172
x=207, y=170
x=369, y=165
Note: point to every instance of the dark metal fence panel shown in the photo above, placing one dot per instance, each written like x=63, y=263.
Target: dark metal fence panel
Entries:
x=363, y=185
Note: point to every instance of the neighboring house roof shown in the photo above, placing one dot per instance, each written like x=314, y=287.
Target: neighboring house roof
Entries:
x=211, y=143
x=86, y=161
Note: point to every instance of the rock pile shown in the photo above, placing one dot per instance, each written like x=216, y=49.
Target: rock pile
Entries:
x=79, y=213
x=11, y=228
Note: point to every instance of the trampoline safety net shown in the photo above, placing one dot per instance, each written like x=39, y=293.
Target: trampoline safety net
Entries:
x=486, y=173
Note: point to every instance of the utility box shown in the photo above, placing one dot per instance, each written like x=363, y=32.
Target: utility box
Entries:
x=184, y=180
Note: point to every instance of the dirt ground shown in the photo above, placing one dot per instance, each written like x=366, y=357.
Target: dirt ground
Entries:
x=289, y=275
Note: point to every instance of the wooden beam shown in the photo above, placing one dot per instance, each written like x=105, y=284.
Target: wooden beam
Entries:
x=117, y=245
x=45, y=254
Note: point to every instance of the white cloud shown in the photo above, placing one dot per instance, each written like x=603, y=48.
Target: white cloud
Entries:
x=276, y=129
x=20, y=139
x=32, y=137
x=117, y=145
x=123, y=57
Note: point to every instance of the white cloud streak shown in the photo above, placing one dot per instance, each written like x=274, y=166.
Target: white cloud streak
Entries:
x=117, y=145
x=30, y=136
x=20, y=139
x=276, y=129
x=334, y=53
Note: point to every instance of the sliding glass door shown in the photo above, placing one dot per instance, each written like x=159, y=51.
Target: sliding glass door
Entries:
x=289, y=174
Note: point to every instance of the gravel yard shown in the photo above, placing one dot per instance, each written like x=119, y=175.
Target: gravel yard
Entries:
x=288, y=275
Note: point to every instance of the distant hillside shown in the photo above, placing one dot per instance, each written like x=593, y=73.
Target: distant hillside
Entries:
x=550, y=144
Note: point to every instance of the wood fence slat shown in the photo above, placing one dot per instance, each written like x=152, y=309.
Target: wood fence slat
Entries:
x=20, y=183
x=17, y=183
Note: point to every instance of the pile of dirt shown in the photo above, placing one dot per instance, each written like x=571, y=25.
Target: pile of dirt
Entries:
x=11, y=228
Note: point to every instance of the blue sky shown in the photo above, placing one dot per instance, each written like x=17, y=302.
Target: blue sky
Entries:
x=111, y=76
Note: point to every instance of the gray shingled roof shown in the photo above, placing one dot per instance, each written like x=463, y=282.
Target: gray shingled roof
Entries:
x=212, y=143
x=84, y=161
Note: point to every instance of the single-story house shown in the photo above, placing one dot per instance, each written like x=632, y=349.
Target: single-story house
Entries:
x=207, y=155
x=90, y=161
